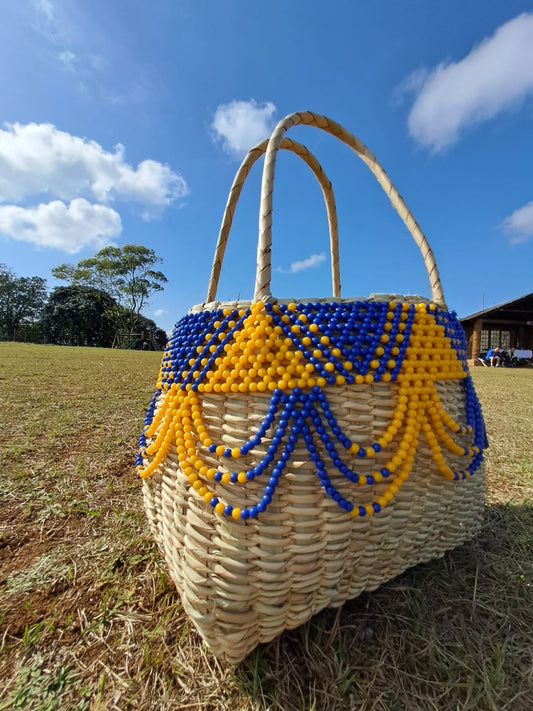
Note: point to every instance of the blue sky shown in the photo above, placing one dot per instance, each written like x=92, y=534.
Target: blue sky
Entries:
x=124, y=121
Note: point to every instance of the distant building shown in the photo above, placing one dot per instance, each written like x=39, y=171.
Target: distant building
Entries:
x=508, y=326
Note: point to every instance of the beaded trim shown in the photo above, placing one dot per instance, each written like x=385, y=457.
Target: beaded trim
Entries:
x=299, y=352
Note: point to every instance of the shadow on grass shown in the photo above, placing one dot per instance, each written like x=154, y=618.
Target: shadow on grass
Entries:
x=454, y=633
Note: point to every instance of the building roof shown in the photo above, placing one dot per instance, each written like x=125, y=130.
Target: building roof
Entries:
x=520, y=309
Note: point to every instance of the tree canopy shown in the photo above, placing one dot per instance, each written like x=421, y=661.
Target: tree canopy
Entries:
x=101, y=306
x=21, y=300
x=125, y=273
x=79, y=316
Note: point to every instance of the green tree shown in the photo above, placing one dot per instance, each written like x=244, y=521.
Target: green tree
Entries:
x=21, y=300
x=126, y=273
x=79, y=316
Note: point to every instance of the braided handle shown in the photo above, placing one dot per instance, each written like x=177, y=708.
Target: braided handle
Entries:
x=263, y=274
x=240, y=177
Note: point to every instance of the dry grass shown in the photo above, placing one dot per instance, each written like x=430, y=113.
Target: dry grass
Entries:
x=89, y=620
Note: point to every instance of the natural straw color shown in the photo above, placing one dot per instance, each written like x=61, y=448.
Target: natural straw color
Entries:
x=234, y=194
x=263, y=274
x=244, y=582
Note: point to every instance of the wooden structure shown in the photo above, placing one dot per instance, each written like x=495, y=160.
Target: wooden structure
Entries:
x=508, y=326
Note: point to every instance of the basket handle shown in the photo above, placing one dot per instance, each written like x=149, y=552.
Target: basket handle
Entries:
x=263, y=274
x=238, y=182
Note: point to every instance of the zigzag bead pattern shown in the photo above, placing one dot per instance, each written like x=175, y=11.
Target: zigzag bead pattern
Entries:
x=299, y=353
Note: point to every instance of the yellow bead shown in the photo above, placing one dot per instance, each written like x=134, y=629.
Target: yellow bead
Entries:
x=236, y=513
x=219, y=508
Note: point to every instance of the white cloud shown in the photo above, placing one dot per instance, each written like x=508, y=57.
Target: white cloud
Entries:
x=66, y=227
x=37, y=159
x=69, y=59
x=312, y=262
x=46, y=8
x=497, y=75
x=519, y=225
x=159, y=312
x=240, y=125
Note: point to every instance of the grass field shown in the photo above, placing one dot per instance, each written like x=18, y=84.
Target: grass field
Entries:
x=89, y=619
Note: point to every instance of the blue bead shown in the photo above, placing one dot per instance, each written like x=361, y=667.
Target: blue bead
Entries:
x=261, y=506
x=362, y=511
x=227, y=452
x=245, y=514
x=213, y=502
x=234, y=478
x=218, y=476
x=253, y=511
x=228, y=510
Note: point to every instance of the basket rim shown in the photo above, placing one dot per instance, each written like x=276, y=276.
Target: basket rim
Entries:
x=373, y=298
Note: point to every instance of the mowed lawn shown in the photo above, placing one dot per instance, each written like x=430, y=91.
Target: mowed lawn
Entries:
x=90, y=620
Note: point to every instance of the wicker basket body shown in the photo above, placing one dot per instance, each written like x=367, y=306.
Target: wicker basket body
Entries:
x=272, y=503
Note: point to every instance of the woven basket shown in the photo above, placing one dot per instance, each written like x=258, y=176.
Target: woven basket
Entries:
x=298, y=453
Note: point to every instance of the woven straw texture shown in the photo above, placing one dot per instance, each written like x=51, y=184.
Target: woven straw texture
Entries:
x=246, y=573
x=244, y=584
